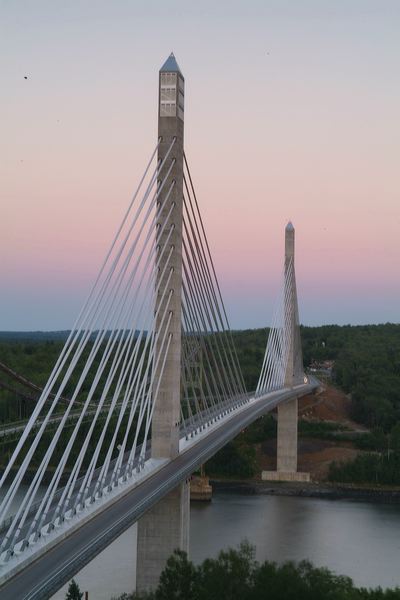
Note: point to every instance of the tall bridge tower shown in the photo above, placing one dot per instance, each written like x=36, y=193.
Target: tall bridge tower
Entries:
x=166, y=526
x=151, y=351
x=288, y=411
x=293, y=373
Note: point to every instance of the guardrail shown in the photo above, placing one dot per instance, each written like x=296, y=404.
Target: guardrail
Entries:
x=93, y=548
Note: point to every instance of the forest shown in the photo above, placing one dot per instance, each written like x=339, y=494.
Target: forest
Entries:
x=366, y=363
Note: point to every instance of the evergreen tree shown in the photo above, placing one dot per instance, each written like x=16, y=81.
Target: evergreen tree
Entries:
x=74, y=593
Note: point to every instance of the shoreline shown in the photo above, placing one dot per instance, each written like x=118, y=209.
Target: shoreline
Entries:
x=325, y=491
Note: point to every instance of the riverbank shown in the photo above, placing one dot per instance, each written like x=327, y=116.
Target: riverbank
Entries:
x=326, y=491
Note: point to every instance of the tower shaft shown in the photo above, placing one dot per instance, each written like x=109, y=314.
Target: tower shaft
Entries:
x=288, y=411
x=165, y=423
x=165, y=527
x=290, y=304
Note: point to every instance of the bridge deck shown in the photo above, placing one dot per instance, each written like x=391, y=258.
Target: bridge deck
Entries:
x=52, y=568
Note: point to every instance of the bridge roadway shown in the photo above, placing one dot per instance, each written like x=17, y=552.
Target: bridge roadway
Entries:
x=43, y=577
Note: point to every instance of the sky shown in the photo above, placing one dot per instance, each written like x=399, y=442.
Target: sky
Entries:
x=291, y=113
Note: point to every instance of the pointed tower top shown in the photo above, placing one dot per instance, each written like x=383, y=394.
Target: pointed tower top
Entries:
x=289, y=226
x=170, y=65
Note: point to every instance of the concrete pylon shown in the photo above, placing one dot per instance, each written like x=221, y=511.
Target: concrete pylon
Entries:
x=288, y=411
x=165, y=527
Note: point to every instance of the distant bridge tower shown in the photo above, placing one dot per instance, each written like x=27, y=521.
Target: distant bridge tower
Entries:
x=288, y=411
x=166, y=526
x=287, y=441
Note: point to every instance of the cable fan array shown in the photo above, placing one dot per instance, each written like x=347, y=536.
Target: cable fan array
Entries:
x=112, y=363
x=283, y=361
x=108, y=366
x=212, y=382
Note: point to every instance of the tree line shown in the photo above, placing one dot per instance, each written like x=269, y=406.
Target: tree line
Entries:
x=236, y=574
x=367, y=362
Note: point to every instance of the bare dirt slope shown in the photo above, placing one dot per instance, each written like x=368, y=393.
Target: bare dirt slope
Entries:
x=329, y=405
x=315, y=455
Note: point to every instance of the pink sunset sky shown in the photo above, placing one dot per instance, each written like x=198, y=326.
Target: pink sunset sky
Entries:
x=291, y=112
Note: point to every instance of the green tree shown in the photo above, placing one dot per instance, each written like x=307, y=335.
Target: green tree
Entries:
x=74, y=593
x=178, y=581
x=235, y=575
x=229, y=576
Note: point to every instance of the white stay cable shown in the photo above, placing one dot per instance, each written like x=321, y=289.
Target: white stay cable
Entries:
x=194, y=311
x=196, y=299
x=203, y=274
x=150, y=415
x=71, y=340
x=129, y=365
x=191, y=329
x=156, y=352
x=275, y=358
x=122, y=377
x=38, y=476
x=99, y=339
x=121, y=352
x=88, y=477
x=105, y=466
x=40, y=472
x=11, y=492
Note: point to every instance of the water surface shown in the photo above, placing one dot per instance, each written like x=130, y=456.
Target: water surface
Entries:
x=358, y=539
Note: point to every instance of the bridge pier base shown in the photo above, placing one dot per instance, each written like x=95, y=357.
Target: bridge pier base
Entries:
x=286, y=459
x=163, y=529
x=287, y=444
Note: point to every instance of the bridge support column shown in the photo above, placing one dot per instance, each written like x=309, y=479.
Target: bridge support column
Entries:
x=287, y=442
x=161, y=531
x=286, y=458
x=166, y=526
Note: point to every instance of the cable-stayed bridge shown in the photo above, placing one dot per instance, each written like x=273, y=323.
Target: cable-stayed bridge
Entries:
x=154, y=383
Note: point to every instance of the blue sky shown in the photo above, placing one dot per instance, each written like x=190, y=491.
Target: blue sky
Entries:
x=291, y=113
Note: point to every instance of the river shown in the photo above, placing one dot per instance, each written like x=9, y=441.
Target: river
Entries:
x=358, y=539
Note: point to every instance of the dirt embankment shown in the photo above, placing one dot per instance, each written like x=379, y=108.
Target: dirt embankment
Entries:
x=315, y=455
x=330, y=405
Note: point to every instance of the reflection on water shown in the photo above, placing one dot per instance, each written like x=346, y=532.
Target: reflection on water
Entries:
x=352, y=538
x=361, y=540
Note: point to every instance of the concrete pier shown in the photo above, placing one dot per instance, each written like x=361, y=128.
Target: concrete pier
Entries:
x=288, y=412
x=200, y=489
x=287, y=442
x=163, y=529
x=166, y=526
x=286, y=457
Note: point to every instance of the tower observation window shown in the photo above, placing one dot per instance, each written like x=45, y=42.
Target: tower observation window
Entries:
x=168, y=85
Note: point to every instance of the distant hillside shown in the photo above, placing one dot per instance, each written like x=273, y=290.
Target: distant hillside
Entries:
x=42, y=336
x=34, y=336
x=365, y=358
